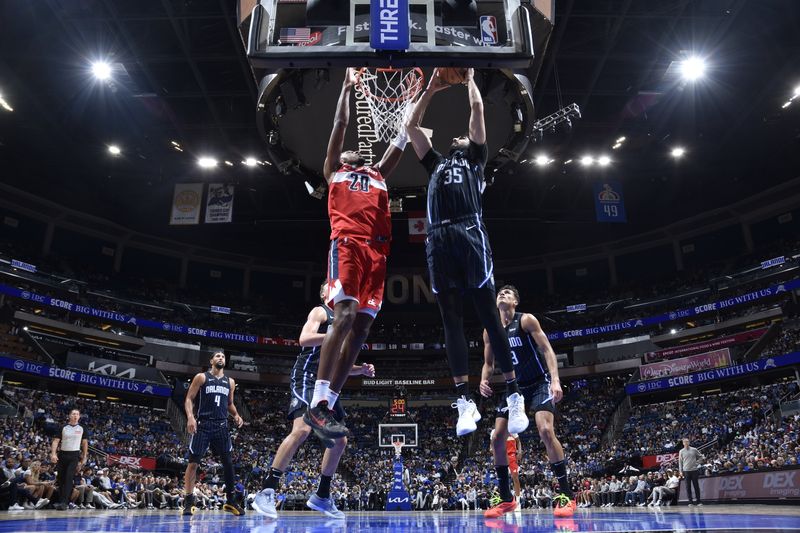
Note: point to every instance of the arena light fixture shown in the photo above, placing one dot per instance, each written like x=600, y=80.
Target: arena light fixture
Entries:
x=542, y=160
x=786, y=104
x=796, y=92
x=617, y=146
x=568, y=162
x=4, y=104
x=101, y=70
x=622, y=140
x=693, y=68
x=673, y=331
x=207, y=162
x=678, y=152
x=250, y=162
x=114, y=150
x=228, y=163
x=603, y=160
x=587, y=160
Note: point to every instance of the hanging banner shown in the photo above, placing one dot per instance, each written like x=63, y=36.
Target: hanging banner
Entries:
x=608, y=202
x=219, y=205
x=417, y=226
x=186, y=204
x=684, y=365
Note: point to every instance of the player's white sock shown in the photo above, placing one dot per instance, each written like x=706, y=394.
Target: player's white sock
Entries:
x=332, y=397
x=321, y=391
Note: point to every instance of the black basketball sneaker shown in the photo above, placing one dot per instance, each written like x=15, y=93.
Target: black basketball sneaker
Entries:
x=188, y=505
x=322, y=421
x=233, y=508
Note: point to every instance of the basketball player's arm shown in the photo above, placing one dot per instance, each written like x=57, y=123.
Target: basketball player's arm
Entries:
x=340, y=121
x=309, y=337
x=420, y=141
x=188, y=403
x=532, y=326
x=477, y=125
x=84, y=452
x=232, y=408
x=488, y=367
x=364, y=369
x=519, y=448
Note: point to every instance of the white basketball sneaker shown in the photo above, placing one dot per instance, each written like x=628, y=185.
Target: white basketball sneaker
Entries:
x=467, y=416
x=264, y=503
x=517, y=419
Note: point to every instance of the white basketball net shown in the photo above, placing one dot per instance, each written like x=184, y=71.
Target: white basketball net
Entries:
x=389, y=92
x=398, y=448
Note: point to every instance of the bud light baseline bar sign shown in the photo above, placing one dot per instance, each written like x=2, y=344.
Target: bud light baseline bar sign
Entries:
x=389, y=25
x=716, y=374
x=678, y=314
x=84, y=378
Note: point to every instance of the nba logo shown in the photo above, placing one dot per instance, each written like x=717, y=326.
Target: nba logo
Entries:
x=488, y=29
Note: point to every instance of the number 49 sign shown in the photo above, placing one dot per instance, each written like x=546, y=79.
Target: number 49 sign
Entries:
x=608, y=202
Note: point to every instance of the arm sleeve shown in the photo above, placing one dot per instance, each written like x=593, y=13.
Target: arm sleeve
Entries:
x=478, y=153
x=431, y=160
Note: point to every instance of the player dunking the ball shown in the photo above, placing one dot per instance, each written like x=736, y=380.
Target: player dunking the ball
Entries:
x=458, y=251
x=209, y=426
x=302, y=386
x=537, y=369
x=361, y=229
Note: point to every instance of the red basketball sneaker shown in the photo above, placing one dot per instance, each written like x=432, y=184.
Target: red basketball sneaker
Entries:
x=563, y=506
x=500, y=509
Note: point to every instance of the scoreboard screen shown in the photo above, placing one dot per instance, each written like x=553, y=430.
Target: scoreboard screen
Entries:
x=398, y=407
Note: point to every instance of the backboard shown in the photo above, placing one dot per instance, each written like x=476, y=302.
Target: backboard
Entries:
x=389, y=433
x=499, y=36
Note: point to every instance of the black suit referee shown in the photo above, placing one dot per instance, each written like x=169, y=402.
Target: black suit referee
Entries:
x=214, y=392
x=71, y=457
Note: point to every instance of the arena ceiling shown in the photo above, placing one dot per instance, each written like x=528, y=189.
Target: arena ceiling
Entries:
x=180, y=74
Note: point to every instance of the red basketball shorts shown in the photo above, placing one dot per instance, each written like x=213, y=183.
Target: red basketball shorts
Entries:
x=356, y=271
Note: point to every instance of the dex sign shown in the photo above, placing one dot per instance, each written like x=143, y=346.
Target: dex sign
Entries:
x=389, y=25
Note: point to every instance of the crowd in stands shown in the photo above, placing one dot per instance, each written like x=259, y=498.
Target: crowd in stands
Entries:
x=438, y=475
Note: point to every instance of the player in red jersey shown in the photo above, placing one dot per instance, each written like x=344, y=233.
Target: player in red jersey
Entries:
x=513, y=453
x=361, y=229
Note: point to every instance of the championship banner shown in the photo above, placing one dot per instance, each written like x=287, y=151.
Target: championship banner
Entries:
x=652, y=461
x=86, y=378
x=219, y=204
x=609, y=205
x=684, y=365
x=772, y=486
x=144, y=463
x=186, y=204
x=708, y=376
x=689, y=349
x=417, y=226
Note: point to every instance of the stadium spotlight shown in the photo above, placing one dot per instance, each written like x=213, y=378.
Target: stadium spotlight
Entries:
x=796, y=91
x=250, y=162
x=678, y=152
x=786, y=104
x=542, y=160
x=101, y=70
x=587, y=160
x=4, y=104
x=207, y=162
x=114, y=150
x=604, y=161
x=228, y=163
x=693, y=68
x=673, y=331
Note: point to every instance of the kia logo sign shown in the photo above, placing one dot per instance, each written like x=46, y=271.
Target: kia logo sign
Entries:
x=398, y=500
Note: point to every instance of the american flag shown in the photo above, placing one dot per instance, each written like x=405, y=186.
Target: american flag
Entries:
x=295, y=35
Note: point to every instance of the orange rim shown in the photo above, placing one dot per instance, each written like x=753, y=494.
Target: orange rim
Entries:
x=418, y=80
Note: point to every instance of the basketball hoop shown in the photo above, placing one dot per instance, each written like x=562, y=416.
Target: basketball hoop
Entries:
x=398, y=448
x=389, y=92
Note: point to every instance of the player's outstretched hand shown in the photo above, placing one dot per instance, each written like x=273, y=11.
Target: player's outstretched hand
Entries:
x=238, y=421
x=368, y=370
x=555, y=390
x=351, y=76
x=436, y=83
x=470, y=76
x=485, y=388
x=191, y=426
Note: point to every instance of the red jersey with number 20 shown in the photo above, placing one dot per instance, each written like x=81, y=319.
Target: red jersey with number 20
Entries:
x=358, y=206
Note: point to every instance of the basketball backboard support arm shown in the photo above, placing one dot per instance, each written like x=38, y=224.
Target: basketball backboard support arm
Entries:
x=263, y=54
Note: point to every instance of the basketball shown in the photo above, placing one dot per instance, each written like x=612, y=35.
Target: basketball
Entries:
x=453, y=76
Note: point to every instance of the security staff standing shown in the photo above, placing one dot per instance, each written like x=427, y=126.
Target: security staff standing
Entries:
x=71, y=458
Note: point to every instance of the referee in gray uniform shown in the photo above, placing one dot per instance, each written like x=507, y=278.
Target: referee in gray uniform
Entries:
x=71, y=457
x=689, y=466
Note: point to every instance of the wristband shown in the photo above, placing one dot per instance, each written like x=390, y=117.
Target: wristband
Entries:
x=400, y=140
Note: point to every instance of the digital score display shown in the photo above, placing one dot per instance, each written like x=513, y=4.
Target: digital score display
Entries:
x=398, y=407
